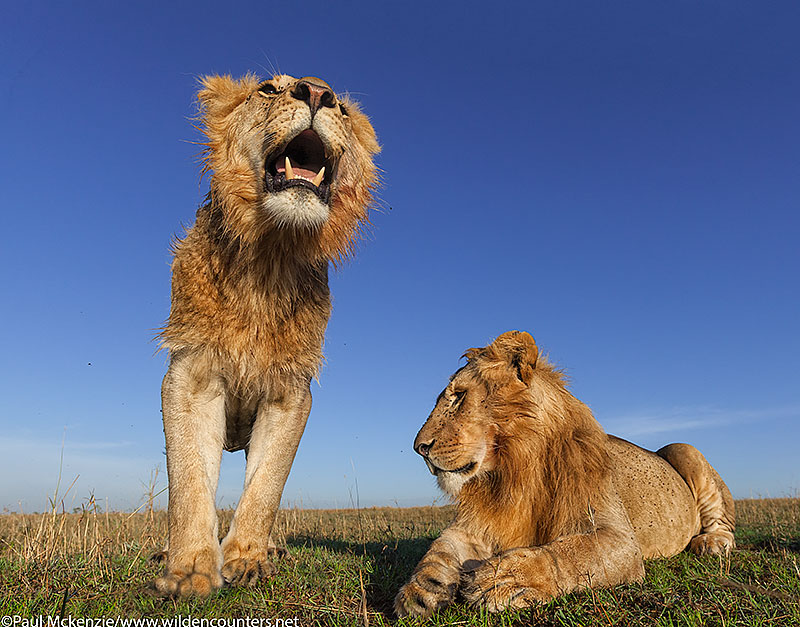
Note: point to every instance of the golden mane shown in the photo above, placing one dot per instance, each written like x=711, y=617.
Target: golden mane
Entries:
x=234, y=188
x=551, y=453
x=248, y=293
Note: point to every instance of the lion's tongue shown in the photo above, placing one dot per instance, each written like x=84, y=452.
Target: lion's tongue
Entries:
x=306, y=174
x=297, y=170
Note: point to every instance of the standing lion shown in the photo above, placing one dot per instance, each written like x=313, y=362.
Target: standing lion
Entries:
x=292, y=178
x=547, y=502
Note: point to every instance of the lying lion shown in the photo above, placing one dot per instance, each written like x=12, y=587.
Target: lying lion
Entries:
x=547, y=502
x=292, y=177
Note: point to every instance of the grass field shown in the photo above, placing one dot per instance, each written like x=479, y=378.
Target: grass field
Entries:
x=345, y=567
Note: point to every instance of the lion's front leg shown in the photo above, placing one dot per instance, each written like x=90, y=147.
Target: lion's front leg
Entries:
x=434, y=582
x=521, y=577
x=194, y=428
x=248, y=548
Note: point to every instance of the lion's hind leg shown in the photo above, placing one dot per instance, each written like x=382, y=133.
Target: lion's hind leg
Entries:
x=712, y=497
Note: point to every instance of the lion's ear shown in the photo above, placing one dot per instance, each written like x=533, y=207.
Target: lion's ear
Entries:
x=519, y=351
x=222, y=94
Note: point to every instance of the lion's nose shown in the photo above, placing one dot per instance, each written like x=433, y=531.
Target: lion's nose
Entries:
x=315, y=92
x=423, y=448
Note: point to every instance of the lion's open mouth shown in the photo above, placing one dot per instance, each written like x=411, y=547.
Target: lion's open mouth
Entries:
x=301, y=163
x=435, y=470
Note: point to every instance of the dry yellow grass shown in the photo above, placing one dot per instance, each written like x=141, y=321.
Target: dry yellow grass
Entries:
x=346, y=566
x=92, y=533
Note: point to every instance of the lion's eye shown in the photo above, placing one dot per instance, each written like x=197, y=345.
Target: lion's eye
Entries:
x=458, y=396
x=267, y=89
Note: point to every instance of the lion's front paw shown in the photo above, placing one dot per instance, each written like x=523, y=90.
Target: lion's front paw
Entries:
x=423, y=595
x=184, y=584
x=497, y=588
x=248, y=566
x=713, y=543
x=199, y=576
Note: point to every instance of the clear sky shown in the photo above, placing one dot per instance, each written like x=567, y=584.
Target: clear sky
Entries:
x=620, y=179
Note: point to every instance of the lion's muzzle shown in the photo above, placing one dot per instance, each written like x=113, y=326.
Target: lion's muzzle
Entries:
x=303, y=162
x=315, y=92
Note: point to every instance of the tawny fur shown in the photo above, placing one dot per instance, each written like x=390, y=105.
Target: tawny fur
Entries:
x=252, y=296
x=547, y=502
x=250, y=303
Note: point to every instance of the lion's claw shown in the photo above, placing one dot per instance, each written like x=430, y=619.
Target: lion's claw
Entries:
x=280, y=552
x=192, y=583
x=248, y=567
x=194, y=573
x=247, y=572
x=422, y=596
x=488, y=586
x=712, y=544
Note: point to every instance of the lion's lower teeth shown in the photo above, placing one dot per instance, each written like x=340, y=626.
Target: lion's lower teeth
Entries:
x=290, y=174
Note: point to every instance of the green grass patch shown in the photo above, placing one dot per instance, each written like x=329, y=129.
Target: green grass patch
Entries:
x=346, y=566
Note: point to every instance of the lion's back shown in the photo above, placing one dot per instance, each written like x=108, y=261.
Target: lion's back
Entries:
x=658, y=501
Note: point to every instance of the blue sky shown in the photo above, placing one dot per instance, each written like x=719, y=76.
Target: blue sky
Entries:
x=619, y=179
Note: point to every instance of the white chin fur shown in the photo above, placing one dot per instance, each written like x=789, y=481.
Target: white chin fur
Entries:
x=452, y=482
x=296, y=207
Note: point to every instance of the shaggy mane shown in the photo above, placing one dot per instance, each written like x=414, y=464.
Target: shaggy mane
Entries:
x=552, y=459
x=235, y=190
x=249, y=294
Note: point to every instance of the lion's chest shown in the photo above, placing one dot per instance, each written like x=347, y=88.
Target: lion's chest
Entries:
x=260, y=322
